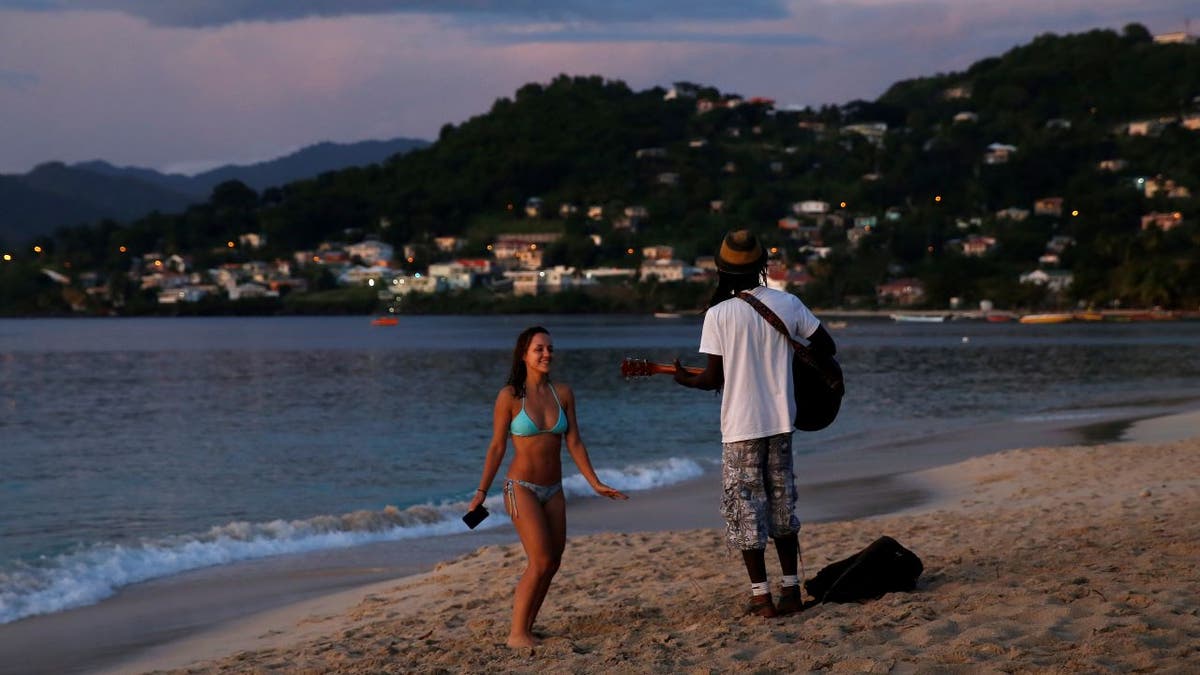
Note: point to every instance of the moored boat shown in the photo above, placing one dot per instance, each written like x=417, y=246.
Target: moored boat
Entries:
x=1046, y=318
x=385, y=321
x=918, y=318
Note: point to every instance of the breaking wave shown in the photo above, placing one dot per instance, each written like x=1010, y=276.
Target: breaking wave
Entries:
x=87, y=576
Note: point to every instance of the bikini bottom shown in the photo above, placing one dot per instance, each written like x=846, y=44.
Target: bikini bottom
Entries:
x=543, y=493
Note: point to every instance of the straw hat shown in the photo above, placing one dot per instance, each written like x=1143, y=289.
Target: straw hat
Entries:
x=740, y=253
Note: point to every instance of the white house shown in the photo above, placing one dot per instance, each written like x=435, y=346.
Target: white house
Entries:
x=665, y=270
x=998, y=153
x=538, y=282
x=596, y=274
x=251, y=290
x=1054, y=280
x=458, y=276
x=417, y=283
x=358, y=275
x=872, y=131
x=810, y=207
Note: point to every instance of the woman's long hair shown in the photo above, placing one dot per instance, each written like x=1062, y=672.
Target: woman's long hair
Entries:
x=516, y=376
x=729, y=285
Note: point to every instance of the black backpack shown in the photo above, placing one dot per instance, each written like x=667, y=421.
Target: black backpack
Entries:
x=883, y=567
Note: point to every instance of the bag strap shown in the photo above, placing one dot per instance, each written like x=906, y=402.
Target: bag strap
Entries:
x=772, y=318
x=802, y=352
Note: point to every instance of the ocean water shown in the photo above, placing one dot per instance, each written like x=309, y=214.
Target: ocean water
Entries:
x=133, y=449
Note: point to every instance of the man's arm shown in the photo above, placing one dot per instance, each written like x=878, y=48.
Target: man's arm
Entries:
x=712, y=377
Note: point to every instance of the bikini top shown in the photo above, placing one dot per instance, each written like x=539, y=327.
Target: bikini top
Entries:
x=523, y=425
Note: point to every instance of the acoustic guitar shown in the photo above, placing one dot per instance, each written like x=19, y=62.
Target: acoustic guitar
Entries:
x=644, y=368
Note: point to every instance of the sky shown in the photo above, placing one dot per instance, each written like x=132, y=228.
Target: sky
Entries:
x=186, y=85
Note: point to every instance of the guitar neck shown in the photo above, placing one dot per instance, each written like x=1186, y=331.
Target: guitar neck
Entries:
x=640, y=368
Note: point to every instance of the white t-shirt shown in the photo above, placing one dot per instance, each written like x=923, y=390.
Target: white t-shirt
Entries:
x=757, y=400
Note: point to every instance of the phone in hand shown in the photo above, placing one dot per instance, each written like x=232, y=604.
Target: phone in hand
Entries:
x=475, y=516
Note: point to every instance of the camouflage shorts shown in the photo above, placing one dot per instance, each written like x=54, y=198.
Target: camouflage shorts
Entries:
x=759, y=491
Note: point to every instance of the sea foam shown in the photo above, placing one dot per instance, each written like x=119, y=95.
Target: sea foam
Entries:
x=87, y=576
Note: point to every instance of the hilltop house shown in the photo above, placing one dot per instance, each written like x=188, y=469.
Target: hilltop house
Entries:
x=371, y=251
x=810, y=207
x=447, y=244
x=457, y=276
x=665, y=270
x=1153, y=186
x=1152, y=127
x=998, y=153
x=1048, y=206
x=1164, y=221
x=780, y=276
x=957, y=92
x=416, y=283
x=977, y=245
x=539, y=282
x=658, y=252
x=1053, y=280
x=1013, y=213
x=872, y=131
x=902, y=292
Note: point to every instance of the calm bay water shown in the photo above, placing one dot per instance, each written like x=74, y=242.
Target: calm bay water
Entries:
x=137, y=448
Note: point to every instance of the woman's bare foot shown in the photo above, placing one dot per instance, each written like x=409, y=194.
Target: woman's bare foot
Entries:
x=523, y=640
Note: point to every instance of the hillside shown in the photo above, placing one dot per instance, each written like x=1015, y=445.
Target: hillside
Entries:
x=307, y=162
x=1064, y=142
x=53, y=194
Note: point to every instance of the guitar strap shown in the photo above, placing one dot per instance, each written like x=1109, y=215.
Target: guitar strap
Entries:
x=802, y=352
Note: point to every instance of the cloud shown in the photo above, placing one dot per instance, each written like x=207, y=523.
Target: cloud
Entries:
x=656, y=36
x=209, y=13
x=19, y=80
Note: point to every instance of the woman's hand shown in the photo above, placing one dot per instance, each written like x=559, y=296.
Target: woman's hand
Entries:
x=479, y=497
x=606, y=491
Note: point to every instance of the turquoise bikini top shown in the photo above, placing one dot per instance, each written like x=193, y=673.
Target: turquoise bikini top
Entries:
x=522, y=425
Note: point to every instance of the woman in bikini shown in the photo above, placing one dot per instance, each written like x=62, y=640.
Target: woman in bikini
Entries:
x=539, y=415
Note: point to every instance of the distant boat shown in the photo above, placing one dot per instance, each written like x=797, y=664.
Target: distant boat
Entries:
x=1046, y=318
x=834, y=325
x=668, y=315
x=385, y=321
x=1088, y=316
x=919, y=318
x=999, y=318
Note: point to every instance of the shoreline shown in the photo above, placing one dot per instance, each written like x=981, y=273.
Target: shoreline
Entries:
x=227, y=600
x=1019, y=548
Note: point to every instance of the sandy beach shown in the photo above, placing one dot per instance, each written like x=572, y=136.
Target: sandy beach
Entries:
x=1062, y=559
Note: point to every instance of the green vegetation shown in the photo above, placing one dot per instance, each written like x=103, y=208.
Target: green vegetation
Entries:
x=1063, y=101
